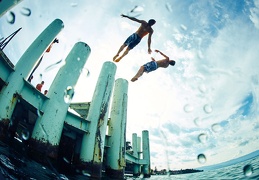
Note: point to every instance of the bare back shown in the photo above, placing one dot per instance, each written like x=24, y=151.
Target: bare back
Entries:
x=163, y=63
x=144, y=29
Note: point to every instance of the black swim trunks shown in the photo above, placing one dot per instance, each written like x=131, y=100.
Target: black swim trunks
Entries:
x=150, y=66
x=132, y=40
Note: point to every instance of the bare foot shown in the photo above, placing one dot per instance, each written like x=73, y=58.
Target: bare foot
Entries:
x=134, y=79
x=114, y=58
x=117, y=60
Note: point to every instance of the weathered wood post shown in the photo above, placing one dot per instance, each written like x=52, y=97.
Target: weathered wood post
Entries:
x=92, y=148
x=146, y=154
x=116, y=162
x=24, y=66
x=48, y=128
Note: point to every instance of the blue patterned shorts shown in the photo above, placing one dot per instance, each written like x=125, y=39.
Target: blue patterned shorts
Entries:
x=132, y=40
x=150, y=66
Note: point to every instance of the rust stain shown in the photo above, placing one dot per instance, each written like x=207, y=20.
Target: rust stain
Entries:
x=4, y=124
x=94, y=169
x=39, y=149
x=114, y=174
x=102, y=114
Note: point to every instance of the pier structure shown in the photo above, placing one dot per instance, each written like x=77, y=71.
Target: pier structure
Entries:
x=5, y=5
x=138, y=158
x=47, y=126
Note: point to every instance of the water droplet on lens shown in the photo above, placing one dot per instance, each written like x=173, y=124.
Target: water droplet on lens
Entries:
x=203, y=138
x=25, y=134
x=136, y=11
x=52, y=66
x=26, y=11
x=68, y=94
x=38, y=113
x=73, y=4
x=66, y=160
x=85, y=173
x=248, y=170
x=85, y=72
x=202, y=88
x=215, y=127
x=197, y=121
x=188, y=108
x=169, y=7
x=11, y=18
x=207, y=108
x=201, y=158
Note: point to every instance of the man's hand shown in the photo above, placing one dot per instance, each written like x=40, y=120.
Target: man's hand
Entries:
x=149, y=51
x=153, y=59
x=162, y=54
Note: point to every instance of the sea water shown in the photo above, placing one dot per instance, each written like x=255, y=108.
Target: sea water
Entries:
x=244, y=170
x=15, y=165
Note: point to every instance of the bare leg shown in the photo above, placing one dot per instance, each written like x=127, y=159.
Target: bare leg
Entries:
x=124, y=54
x=139, y=73
x=121, y=48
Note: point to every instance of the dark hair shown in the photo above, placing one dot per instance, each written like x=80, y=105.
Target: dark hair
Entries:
x=56, y=40
x=172, y=62
x=151, y=22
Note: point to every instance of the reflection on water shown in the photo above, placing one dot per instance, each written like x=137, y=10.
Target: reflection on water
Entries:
x=16, y=165
x=245, y=170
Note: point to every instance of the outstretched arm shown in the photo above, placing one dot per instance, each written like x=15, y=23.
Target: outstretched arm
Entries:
x=149, y=42
x=162, y=54
x=132, y=18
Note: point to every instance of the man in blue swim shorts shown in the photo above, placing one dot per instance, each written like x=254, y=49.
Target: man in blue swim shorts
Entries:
x=153, y=65
x=144, y=29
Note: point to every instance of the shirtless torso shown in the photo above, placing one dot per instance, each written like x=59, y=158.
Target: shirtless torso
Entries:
x=150, y=66
x=144, y=29
x=164, y=63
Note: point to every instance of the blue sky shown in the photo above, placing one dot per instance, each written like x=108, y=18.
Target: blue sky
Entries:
x=206, y=104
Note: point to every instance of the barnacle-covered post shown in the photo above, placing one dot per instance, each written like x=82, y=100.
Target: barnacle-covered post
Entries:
x=92, y=147
x=15, y=81
x=116, y=162
x=48, y=128
x=136, y=153
x=5, y=5
x=146, y=154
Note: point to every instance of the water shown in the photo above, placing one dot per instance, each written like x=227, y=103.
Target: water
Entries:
x=245, y=170
x=16, y=165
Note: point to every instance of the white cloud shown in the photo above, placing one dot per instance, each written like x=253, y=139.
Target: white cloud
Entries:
x=255, y=14
x=216, y=66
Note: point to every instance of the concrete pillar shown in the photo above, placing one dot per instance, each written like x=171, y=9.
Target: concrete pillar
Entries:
x=92, y=148
x=5, y=5
x=116, y=162
x=135, y=144
x=24, y=66
x=48, y=128
x=136, y=167
x=146, y=154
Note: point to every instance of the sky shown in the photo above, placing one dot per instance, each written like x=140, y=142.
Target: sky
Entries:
x=200, y=112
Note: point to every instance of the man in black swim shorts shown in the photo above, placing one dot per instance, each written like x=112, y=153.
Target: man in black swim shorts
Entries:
x=144, y=29
x=153, y=65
